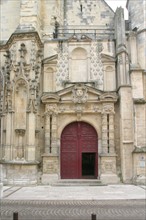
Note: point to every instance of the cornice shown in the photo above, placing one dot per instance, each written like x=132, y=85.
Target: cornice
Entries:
x=21, y=36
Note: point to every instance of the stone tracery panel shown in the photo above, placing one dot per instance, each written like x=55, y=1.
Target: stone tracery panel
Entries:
x=109, y=79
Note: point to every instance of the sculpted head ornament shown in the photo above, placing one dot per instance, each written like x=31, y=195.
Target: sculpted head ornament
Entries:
x=79, y=94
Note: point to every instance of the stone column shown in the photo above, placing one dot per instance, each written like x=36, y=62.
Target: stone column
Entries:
x=54, y=134
x=111, y=134
x=104, y=134
x=47, y=133
x=31, y=137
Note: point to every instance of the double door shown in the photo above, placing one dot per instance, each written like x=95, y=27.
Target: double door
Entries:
x=79, y=151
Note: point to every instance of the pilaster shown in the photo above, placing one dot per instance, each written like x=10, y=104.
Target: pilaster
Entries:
x=126, y=132
x=108, y=156
x=50, y=156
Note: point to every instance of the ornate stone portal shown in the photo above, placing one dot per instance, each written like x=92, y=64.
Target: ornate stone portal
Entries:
x=75, y=104
x=63, y=62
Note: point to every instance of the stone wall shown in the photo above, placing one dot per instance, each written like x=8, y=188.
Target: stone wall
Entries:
x=9, y=17
x=88, y=13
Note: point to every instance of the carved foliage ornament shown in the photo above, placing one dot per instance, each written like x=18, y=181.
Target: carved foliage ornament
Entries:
x=79, y=94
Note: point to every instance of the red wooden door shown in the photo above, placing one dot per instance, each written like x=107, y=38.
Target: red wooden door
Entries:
x=77, y=139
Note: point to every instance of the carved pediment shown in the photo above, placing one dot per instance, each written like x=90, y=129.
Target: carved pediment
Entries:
x=79, y=93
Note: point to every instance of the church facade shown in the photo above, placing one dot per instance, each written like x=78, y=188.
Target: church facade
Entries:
x=73, y=92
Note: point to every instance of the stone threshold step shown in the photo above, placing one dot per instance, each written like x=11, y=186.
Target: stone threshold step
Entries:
x=78, y=182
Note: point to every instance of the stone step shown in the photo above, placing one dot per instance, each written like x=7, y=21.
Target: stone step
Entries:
x=78, y=182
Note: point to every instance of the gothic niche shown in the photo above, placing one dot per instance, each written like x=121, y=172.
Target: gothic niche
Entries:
x=78, y=67
x=21, y=100
x=48, y=80
x=110, y=81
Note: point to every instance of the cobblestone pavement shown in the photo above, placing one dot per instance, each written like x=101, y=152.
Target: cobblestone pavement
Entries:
x=74, y=210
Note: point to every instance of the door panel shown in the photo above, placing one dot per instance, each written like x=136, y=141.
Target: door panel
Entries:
x=78, y=138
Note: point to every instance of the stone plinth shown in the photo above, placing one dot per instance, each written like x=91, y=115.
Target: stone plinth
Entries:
x=21, y=173
x=50, y=169
x=108, y=169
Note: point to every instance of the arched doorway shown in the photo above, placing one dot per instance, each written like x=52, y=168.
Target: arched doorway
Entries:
x=79, y=151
